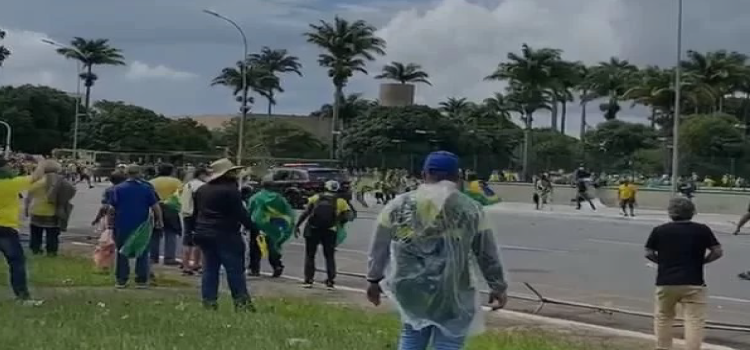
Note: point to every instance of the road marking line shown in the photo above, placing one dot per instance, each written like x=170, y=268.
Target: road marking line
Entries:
x=736, y=300
x=508, y=247
x=596, y=240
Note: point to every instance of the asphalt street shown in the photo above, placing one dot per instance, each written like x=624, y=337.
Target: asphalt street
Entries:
x=588, y=257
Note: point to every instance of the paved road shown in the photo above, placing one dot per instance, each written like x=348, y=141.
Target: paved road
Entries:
x=587, y=257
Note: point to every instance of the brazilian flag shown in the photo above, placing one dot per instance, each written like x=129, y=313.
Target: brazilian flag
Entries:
x=482, y=193
x=273, y=215
x=138, y=240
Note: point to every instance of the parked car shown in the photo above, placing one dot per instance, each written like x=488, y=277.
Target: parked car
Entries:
x=298, y=183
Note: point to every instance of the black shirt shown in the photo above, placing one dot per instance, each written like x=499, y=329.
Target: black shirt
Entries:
x=219, y=210
x=681, y=252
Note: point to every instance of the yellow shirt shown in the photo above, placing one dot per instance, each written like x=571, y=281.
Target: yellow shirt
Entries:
x=166, y=186
x=10, y=203
x=626, y=191
x=40, y=205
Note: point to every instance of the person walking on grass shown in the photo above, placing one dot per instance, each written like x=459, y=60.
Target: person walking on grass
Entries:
x=136, y=211
x=679, y=248
x=433, y=236
x=166, y=186
x=11, y=187
x=626, y=196
x=191, y=254
x=219, y=214
x=325, y=214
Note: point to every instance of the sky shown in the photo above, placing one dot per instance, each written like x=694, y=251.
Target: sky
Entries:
x=173, y=50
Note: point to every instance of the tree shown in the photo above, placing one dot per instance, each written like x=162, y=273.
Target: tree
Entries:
x=530, y=77
x=347, y=46
x=4, y=51
x=611, y=80
x=257, y=79
x=117, y=126
x=273, y=138
x=351, y=107
x=553, y=150
x=455, y=107
x=614, y=142
x=498, y=105
x=41, y=118
x=710, y=140
x=584, y=87
x=274, y=61
x=409, y=73
x=92, y=53
x=721, y=70
x=567, y=76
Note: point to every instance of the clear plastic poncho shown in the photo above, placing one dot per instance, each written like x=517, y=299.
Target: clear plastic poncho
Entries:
x=429, y=244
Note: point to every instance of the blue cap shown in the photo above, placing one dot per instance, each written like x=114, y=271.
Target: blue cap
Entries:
x=441, y=162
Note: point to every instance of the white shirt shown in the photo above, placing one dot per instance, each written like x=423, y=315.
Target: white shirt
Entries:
x=186, y=199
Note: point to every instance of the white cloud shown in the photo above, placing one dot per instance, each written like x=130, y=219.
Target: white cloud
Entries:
x=34, y=62
x=142, y=71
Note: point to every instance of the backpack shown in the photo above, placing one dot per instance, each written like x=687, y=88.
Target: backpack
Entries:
x=324, y=213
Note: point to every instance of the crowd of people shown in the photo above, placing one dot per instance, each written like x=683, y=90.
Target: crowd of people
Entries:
x=424, y=247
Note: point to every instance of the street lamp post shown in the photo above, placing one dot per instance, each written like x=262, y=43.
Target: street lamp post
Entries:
x=677, y=104
x=9, y=133
x=78, y=114
x=243, y=72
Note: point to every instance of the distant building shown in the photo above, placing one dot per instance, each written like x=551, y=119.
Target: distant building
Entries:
x=321, y=128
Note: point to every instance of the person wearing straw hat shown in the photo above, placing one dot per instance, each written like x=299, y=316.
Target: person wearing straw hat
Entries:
x=219, y=214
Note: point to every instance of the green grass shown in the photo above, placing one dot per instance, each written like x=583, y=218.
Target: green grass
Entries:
x=68, y=271
x=160, y=319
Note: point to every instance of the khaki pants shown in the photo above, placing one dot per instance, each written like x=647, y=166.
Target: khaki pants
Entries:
x=693, y=302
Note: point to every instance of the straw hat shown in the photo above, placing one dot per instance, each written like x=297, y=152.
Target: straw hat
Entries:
x=221, y=167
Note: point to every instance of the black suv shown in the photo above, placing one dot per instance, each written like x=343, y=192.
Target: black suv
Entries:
x=298, y=183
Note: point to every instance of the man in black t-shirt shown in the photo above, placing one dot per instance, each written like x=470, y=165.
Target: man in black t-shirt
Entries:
x=679, y=249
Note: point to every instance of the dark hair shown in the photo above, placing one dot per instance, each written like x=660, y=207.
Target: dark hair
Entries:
x=200, y=171
x=165, y=169
x=117, y=177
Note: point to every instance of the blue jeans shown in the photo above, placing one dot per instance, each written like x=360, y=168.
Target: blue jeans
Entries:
x=230, y=253
x=170, y=245
x=412, y=339
x=122, y=264
x=10, y=246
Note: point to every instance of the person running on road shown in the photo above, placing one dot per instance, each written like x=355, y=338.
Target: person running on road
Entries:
x=325, y=213
x=679, y=249
x=582, y=193
x=433, y=235
x=626, y=196
x=542, y=191
x=273, y=217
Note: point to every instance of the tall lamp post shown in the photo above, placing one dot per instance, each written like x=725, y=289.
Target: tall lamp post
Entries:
x=677, y=104
x=8, y=134
x=243, y=72
x=77, y=96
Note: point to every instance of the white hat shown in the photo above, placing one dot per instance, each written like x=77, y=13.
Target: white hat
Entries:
x=221, y=167
x=332, y=185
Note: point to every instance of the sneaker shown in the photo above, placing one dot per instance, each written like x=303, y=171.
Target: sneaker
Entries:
x=330, y=285
x=307, y=285
x=121, y=285
x=30, y=302
x=277, y=272
x=253, y=273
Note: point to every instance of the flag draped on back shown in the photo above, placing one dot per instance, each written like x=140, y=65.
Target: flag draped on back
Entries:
x=273, y=216
x=482, y=193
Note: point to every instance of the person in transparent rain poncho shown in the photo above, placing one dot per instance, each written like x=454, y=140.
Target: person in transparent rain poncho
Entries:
x=432, y=241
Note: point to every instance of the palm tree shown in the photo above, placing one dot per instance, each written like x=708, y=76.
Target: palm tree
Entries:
x=455, y=107
x=584, y=87
x=610, y=80
x=409, y=73
x=4, y=52
x=350, y=107
x=258, y=79
x=721, y=70
x=650, y=90
x=347, y=47
x=530, y=75
x=92, y=53
x=566, y=77
x=275, y=61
